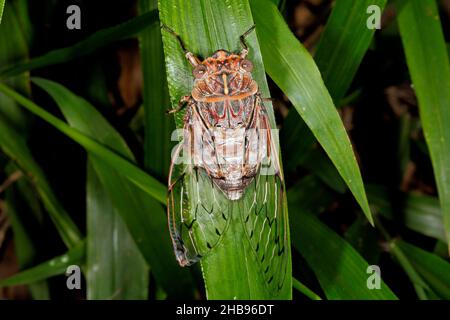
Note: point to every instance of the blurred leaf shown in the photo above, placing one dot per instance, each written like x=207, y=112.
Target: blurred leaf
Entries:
x=338, y=264
x=341, y=49
x=230, y=271
x=158, y=125
x=344, y=43
x=109, y=275
x=334, y=261
x=428, y=63
x=434, y=270
x=418, y=212
x=144, y=216
x=53, y=267
x=15, y=147
x=423, y=214
x=92, y=43
x=115, y=267
x=148, y=184
x=291, y=67
x=24, y=212
x=2, y=6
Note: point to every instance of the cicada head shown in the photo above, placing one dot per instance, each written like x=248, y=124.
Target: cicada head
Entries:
x=223, y=74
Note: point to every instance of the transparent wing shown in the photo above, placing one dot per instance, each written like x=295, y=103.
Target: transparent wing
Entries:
x=263, y=210
x=197, y=210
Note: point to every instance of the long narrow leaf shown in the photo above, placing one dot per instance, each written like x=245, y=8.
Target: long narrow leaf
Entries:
x=338, y=263
x=428, y=63
x=289, y=64
x=158, y=125
x=143, y=215
x=144, y=181
x=53, y=267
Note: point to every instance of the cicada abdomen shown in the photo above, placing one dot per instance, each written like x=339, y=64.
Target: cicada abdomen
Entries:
x=227, y=151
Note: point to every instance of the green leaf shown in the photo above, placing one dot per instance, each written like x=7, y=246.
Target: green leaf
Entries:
x=292, y=68
x=158, y=125
x=344, y=43
x=143, y=216
x=338, y=264
x=24, y=213
x=428, y=64
x=15, y=147
x=115, y=267
x=230, y=270
x=334, y=261
x=2, y=6
x=91, y=44
x=305, y=290
x=145, y=182
x=53, y=267
x=341, y=49
x=434, y=270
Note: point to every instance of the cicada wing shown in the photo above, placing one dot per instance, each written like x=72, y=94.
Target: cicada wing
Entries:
x=197, y=210
x=264, y=210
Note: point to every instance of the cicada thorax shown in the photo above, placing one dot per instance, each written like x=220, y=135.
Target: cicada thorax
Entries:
x=226, y=140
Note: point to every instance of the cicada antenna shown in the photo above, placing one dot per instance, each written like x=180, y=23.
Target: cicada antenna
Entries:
x=193, y=60
x=244, y=51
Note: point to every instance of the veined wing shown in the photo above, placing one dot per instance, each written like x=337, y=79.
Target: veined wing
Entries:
x=263, y=210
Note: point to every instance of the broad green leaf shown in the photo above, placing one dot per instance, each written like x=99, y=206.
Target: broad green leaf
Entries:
x=292, y=68
x=143, y=215
x=428, y=64
x=230, y=271
x=158, y=125
x=50, y=268
x=434, y=270
x=341, y=49
x=334, y=261
x=145, y=182
x=91, y=44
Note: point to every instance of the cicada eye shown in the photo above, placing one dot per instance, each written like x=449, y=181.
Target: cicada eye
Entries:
x=247, y=65
x=199, y=71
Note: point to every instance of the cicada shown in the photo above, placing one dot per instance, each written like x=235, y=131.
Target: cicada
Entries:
x=229, y=159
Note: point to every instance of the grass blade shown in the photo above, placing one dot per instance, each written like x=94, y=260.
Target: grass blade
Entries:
x=338, y=263
x=143, y=215
x=291, y=67
x=434, y=270
x=141, y=179
x=53, y=267
x=109, y=274
x=92, y=43
x=158, y=125
x=428, y=63
x=341, y=49
x=15, y=147
x=230, y=270
x=343, y=44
